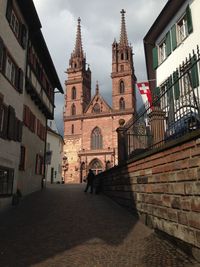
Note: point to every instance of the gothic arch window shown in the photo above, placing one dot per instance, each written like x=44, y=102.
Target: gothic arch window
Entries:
x=96, y=139
x=127, y=55
x=72, y=128
x=121, y=67
x=73, y=92
x=73, y=109
x=121, y=87
x=96, y=166
x=122, y=104
x=96, y=108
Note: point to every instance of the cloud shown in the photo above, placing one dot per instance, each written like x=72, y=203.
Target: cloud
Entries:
x=100, y=22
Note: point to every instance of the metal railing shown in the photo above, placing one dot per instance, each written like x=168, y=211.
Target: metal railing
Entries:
x=178, y=100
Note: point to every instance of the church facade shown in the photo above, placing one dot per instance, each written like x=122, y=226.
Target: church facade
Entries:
x=90, y=123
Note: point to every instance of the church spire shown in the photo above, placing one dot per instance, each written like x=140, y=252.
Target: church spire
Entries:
x=123, y=35
x=78, y=50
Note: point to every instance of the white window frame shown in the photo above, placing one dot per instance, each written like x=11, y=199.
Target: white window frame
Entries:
x=162, y=51
x=182, y=29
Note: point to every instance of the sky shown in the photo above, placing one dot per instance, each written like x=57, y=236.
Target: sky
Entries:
x=100, y=24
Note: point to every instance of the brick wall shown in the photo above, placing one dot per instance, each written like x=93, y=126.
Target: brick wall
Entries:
x=163, y=189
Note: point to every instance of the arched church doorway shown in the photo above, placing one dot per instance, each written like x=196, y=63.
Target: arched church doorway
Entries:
x=96, y=166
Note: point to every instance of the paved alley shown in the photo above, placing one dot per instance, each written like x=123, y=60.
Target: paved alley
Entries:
x=63, y=226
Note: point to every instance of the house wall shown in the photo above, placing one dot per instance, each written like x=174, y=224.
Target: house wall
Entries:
x=10, y=150
x=185, y=48
x=56, y=146
x=29, y=181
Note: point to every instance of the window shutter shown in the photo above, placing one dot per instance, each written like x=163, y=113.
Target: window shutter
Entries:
x=168, y=44
x=1, y=53
x=194, y=72
x=16, y=77
x=2, y=56
x=19, y=130
x=176, y=84
x=155, y=57
x=23, y=36
x=5, y=122
x=11, y=123
x=9, y=10
x=20, y=80
x=189, y=19
x=174, y=40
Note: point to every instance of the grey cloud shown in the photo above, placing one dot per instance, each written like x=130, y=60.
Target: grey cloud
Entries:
x=100, y=25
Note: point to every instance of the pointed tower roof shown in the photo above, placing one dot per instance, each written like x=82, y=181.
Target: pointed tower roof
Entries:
x=78, y=49
x=123, y=35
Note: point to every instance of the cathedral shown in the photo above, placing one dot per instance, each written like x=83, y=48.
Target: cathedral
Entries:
x=90, y=123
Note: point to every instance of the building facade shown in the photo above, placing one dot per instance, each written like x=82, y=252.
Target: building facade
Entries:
x=89, y=122
x=172, y=59
x=27, y=82
x=171, y=39
x=54, y=152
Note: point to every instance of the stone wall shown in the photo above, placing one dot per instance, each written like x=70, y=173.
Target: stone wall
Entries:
x=163, y=188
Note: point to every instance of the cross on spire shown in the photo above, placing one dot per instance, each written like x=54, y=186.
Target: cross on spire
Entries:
x=78, y=50
x=123, y=34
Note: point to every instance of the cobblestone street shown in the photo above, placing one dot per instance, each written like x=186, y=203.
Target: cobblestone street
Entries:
x=63, y=226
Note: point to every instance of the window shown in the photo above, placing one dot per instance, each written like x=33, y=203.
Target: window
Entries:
x=10, y=70
x=162, y=51
x=96, y=139
x=121, y=104
x=6, y=181
x=1, y=114
x=122, y=56
x=14, y=23
x=96, y=108
x=72, y=128
x=73, y=109
x=182, y=29
x=22, y=158
x=73, y=93
x=121, y=87
x=17, y=27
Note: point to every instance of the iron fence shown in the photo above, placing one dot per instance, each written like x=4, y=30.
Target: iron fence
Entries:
x=178, y=100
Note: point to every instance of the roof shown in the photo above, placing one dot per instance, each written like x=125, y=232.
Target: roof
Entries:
x=55, y=133
x=167, y=13
x=31, y=17
x=102, y=99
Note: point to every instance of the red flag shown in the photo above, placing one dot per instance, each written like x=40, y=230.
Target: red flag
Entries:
x=145, y=91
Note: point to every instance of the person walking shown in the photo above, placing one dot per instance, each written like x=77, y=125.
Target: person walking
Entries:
x=90, y=181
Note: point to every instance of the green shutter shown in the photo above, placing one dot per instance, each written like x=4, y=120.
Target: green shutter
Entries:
x=176, y=85
x=174, y=40
x=169, y=87
x=155, y=57
x=189, y=19
x=168, y=44
x=194, y=72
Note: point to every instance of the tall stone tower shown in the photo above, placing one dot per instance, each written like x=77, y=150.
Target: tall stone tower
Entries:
x=123, y=77
x=77, y=98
